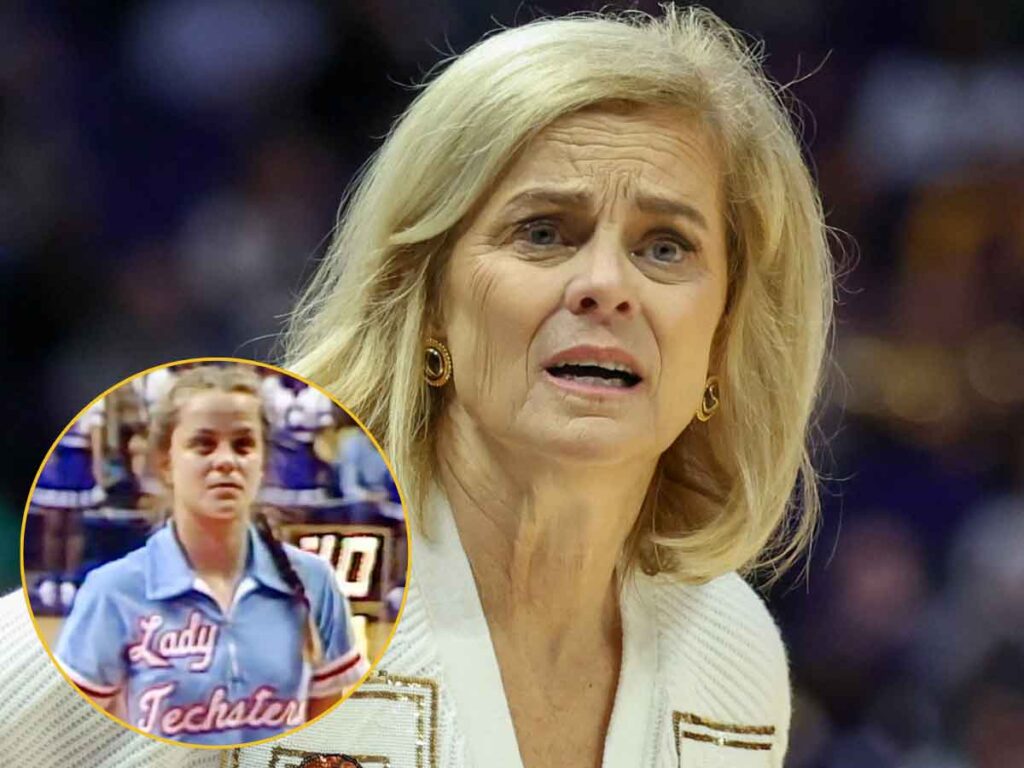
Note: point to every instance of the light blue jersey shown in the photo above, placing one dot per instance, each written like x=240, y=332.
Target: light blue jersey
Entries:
x=147, y=640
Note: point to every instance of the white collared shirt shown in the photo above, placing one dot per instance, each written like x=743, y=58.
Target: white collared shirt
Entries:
x=704, y=682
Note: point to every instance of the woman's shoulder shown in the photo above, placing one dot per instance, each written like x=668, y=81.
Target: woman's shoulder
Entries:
x=312, y=569
x=315, y=573
x=124, y=577
x=724, y=619
x=722, y=656
x=723, y=608
x=126, y=571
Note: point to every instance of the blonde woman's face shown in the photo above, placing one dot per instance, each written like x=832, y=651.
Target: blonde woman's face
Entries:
x=581, y=302
x=215, y=461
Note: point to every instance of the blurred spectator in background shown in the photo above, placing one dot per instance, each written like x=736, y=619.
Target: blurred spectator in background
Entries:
x=989, y=720
x=297, y=478
x=71, y=481
x=363, y=475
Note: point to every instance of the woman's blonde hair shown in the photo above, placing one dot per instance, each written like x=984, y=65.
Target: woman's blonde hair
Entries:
x=723, y=496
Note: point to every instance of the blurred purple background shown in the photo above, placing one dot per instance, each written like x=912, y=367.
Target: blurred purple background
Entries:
x=170, y=171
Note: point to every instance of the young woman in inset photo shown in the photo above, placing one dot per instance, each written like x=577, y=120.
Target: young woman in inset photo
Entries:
x=214, y=632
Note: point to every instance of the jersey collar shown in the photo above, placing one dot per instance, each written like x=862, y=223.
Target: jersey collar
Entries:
x=169, y=574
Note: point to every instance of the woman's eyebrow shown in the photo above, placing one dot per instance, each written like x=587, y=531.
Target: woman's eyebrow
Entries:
x=649, y=203
x=571, y=198
x=243, y=429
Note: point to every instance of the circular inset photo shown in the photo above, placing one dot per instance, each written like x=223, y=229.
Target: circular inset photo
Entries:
x=214, y=552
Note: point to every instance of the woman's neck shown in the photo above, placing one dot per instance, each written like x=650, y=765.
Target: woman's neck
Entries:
x=216, y=549
x=544, y=537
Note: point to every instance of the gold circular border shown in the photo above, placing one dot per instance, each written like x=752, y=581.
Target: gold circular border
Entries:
x=352, y=688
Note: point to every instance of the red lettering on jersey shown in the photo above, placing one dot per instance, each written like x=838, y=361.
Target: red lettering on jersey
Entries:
x=149, y=703
x=218, y=713
x=197, y=638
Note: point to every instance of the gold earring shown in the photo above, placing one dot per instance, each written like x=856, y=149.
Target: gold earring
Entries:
x=710, y=400
x=437, y=363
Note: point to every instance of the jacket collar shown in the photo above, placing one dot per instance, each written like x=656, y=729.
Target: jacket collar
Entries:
x=169, y=573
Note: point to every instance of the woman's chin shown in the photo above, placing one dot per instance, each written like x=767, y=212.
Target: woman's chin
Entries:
x=222, y=512
x=598, y=447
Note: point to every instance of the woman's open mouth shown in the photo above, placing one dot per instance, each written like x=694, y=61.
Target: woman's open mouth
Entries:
x=592, y=369
x=595, y=374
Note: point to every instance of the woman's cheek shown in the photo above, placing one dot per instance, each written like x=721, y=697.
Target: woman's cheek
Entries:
x=255, y=473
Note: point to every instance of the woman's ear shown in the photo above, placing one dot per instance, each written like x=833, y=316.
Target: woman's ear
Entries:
x=718, y=344
x=437, y=273
x=433, y=322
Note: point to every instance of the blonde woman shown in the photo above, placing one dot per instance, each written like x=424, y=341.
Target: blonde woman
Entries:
x=582, y=294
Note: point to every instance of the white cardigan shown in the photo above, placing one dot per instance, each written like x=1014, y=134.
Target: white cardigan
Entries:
x=704, y=682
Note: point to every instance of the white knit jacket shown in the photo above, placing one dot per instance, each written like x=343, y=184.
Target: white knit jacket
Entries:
x=704, y=683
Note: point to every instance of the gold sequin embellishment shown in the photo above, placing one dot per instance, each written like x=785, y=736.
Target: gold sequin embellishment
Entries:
x=285, y=757
x=696, y=728
x=417, y=702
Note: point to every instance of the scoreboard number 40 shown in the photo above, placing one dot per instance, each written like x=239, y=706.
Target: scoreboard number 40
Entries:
x=352, y=557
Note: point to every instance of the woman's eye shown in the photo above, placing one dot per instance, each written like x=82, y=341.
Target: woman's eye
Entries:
x=666, y=251
x=245, y=446
x=542, y=233
x=201, y=445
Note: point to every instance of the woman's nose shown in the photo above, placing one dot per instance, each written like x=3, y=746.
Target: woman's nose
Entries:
x=224, y=459
x=602, y=285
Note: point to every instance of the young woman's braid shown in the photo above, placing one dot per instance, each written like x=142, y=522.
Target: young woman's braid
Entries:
x=312, y=649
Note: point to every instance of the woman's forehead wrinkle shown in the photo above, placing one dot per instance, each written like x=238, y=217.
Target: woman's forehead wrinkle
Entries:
x=615, y=137
x=625, y=184
x=668, y=159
